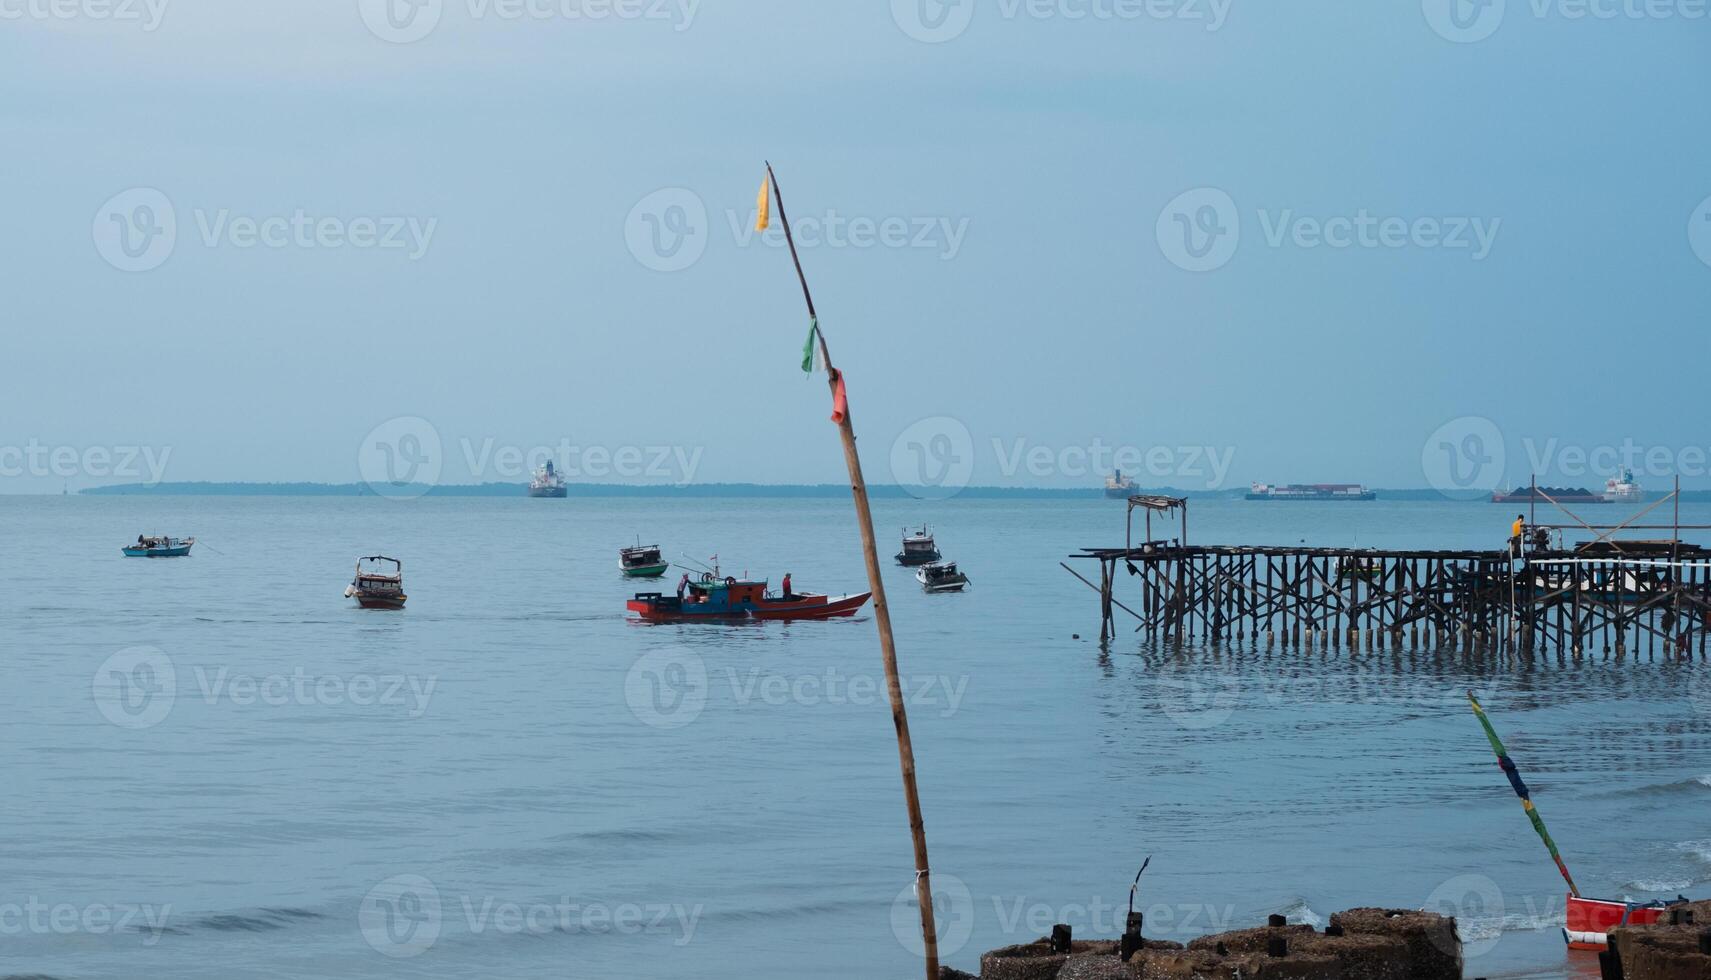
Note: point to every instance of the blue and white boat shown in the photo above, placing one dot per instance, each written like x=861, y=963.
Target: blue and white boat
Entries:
x=158, y=547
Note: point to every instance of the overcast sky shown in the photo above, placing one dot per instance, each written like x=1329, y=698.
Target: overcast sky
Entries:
x=1215, y=240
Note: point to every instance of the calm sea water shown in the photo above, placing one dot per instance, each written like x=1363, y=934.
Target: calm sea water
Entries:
x=217, y=767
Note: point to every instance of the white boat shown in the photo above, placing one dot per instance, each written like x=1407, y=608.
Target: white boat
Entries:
x=1622, y=489
x=941, y=577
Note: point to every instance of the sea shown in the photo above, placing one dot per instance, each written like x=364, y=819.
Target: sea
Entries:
x=219, y=767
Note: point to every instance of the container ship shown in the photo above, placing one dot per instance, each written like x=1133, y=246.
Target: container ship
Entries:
x=1311, y=491
x=1118, y=486
x=548, y=483
x=1622, y=489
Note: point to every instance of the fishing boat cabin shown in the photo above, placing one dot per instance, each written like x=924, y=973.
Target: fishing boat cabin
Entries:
x=918, y=548
x=379, y=583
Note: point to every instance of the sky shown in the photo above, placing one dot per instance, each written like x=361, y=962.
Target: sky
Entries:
x=1413, y=243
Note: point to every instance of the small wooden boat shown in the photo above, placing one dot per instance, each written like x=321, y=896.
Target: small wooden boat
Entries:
x=642, y=561
x=715, y=598
x=939, y=577
x=1589, y=920
x=374, y=588
x=158, y=547
x=918, y=548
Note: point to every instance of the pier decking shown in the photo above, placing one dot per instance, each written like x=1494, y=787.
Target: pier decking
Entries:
x=1605, y=596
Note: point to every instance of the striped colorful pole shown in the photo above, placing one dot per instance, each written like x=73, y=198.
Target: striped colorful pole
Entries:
x=1509, y=770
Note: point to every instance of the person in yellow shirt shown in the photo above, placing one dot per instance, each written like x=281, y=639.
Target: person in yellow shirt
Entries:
x=1516, y=530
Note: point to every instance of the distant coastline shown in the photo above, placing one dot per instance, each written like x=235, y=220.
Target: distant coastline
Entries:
x=703, y=490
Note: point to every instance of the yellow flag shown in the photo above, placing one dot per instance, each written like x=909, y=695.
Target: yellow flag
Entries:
x=763, y=205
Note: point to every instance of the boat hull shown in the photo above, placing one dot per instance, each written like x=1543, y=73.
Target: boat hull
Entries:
x=645, y=571
x=910, y=559
x=655, y=607
x=380, y=601
x=1589, y=920
x=549, y=492
x=178, y=552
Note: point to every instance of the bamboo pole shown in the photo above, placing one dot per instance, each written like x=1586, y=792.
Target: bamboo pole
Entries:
x=881, y=616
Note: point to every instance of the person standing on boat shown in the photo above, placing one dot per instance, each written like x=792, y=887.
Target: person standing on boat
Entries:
x=785, y=585
x=682, y=584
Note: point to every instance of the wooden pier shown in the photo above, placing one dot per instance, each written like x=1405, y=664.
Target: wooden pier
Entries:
x=1601, y=596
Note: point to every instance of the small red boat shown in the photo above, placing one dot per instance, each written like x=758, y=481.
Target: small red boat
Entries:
x=712, y=597
x=1591, y=919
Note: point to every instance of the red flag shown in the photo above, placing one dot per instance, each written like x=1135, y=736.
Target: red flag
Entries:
x=840, y=399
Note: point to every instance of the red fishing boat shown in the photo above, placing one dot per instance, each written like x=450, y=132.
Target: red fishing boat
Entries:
x=1589, y=920
x=715, y=597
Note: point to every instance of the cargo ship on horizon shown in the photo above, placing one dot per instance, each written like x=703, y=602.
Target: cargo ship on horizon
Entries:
x=1311, y=491
x=1545, y=495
